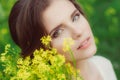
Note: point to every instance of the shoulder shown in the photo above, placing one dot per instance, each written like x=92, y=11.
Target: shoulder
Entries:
x=105, y=66
x=101, y=60
x=103, y=63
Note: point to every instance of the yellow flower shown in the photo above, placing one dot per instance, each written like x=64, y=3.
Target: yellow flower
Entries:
x=67, y=44
x=23, y=74
x=53, y=51
x=3, y=58
x=52, y=71
x=20, y=61
x=45, y=65
x=61, y=77
x=7, y=47
x=46, y=40
x=61, y=60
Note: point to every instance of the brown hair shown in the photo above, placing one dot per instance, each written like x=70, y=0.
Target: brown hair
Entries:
x=25, y=23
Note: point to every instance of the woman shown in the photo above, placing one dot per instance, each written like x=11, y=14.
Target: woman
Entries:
x=32, y=19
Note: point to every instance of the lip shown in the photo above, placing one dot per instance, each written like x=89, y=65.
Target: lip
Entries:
x=85, y=44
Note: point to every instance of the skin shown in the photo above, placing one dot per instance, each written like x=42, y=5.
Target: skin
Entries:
x=62, y=20
x=75, y=27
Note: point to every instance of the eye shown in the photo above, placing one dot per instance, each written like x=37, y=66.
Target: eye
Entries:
x=57, y=33
x=76, y=17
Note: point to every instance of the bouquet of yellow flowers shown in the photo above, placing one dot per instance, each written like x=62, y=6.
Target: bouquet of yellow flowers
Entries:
x=45, y=65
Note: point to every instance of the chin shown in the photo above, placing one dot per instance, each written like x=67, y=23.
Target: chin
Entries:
x=91, y=52
x=87, y=54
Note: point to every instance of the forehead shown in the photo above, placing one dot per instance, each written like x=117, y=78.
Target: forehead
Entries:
x=57, y=13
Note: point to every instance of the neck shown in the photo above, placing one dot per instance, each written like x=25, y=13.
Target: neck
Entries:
x=85, y=66
x=81, y=64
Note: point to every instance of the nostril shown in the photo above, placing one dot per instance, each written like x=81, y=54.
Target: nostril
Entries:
x=76, y=36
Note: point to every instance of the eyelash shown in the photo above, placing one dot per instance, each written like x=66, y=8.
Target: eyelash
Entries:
x=76, y=15
x=57, y=32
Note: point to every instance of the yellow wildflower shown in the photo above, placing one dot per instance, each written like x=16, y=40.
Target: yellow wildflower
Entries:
x=23, y=74
x=20, y=61
x=67, y=44
x=61, y=60
x=53, y=51
x=46, y=40
x=3, y=58
x=45, y=65
x=61, y=77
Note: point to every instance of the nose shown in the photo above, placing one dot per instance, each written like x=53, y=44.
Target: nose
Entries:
x=75, y=31
x=76, y=34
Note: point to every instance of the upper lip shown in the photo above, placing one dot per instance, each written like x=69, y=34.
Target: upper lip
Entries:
x=83, y=42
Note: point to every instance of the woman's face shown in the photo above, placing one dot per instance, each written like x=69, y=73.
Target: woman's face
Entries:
x=62, y=20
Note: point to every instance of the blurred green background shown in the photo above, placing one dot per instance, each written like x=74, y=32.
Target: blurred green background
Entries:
x=104, y=17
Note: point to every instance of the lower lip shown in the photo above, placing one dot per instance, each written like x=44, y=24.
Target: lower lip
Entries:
x=86, y=45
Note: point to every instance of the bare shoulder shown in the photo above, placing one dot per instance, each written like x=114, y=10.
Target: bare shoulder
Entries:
x=105, y=66
x=102, y=60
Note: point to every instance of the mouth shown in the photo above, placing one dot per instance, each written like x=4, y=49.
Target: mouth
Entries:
x=84, y=44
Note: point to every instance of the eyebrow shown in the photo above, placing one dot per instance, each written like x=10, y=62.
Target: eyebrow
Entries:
x=55, y=28
x=72, y=15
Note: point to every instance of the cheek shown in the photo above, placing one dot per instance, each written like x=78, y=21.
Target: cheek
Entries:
x=87, y=29
x=84, y=24
x=58, y=44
